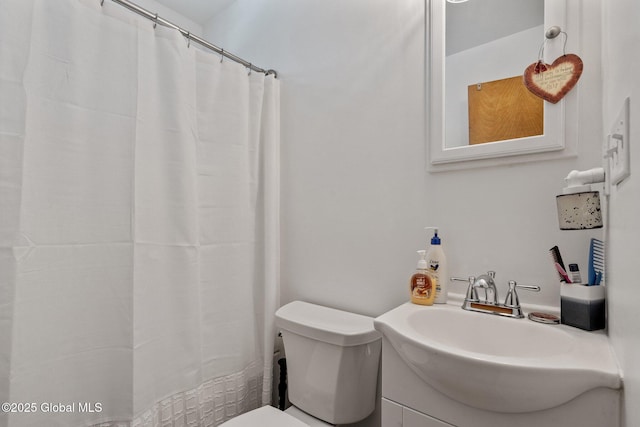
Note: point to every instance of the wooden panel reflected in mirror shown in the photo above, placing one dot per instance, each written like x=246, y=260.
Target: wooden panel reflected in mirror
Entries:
x=503, y=109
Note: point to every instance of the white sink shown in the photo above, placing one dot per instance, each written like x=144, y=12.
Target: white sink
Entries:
x=496, y=363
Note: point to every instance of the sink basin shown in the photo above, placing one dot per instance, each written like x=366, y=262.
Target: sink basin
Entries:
x=496, y=363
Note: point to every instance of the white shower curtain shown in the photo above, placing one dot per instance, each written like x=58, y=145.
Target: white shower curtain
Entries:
x=138, y=222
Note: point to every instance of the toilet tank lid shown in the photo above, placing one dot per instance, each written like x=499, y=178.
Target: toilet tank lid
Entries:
x=326, y=324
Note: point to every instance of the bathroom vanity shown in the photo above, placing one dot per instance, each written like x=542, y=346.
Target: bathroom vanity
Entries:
x=482, y=370
x=396, y=415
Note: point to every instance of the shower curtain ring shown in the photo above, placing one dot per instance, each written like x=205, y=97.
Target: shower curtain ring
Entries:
x=188, y=39
x=221, y=55
x=101, y=2
x=249, y=73
x=155, y=21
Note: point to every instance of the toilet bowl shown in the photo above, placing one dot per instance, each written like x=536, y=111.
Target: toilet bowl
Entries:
x=332, y=364
x=265, y=416
x=268, y=416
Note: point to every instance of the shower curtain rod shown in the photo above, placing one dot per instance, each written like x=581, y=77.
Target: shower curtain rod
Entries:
x=190, y=37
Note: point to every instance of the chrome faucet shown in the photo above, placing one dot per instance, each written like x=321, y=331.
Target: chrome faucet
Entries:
x=490, y=304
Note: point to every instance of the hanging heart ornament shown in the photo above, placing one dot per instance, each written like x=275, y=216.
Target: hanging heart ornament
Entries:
x=552, y=82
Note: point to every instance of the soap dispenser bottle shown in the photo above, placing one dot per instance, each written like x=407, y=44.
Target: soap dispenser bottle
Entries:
x=422, y=284
x=437, y=265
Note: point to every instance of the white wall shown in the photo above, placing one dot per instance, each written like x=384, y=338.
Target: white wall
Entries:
x=621, y=65
x=353, y=154
x=355, y=191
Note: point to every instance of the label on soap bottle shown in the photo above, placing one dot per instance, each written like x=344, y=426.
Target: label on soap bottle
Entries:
x=422, y=289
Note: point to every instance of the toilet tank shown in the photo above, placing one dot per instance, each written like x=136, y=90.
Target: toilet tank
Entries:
x=332, y=361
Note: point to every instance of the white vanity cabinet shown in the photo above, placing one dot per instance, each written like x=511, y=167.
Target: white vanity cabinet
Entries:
x=394, y=415
x=408, y=401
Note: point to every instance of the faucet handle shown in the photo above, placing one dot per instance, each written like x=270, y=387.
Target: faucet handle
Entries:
x=469, y=280
x=512, y=299
x=472, y=293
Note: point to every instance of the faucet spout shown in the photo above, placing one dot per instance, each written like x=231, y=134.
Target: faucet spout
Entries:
x=486, y=282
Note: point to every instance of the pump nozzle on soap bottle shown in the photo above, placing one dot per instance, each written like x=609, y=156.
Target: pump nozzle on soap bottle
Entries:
x=437, y=264
x=422, y=262
x=435, y=240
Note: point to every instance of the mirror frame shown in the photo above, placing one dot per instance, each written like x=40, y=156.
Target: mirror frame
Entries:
x=553, y=139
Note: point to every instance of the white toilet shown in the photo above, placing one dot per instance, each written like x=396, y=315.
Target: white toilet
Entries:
x=332, y=366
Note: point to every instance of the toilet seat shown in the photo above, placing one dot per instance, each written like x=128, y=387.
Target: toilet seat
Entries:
x=266, y=416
